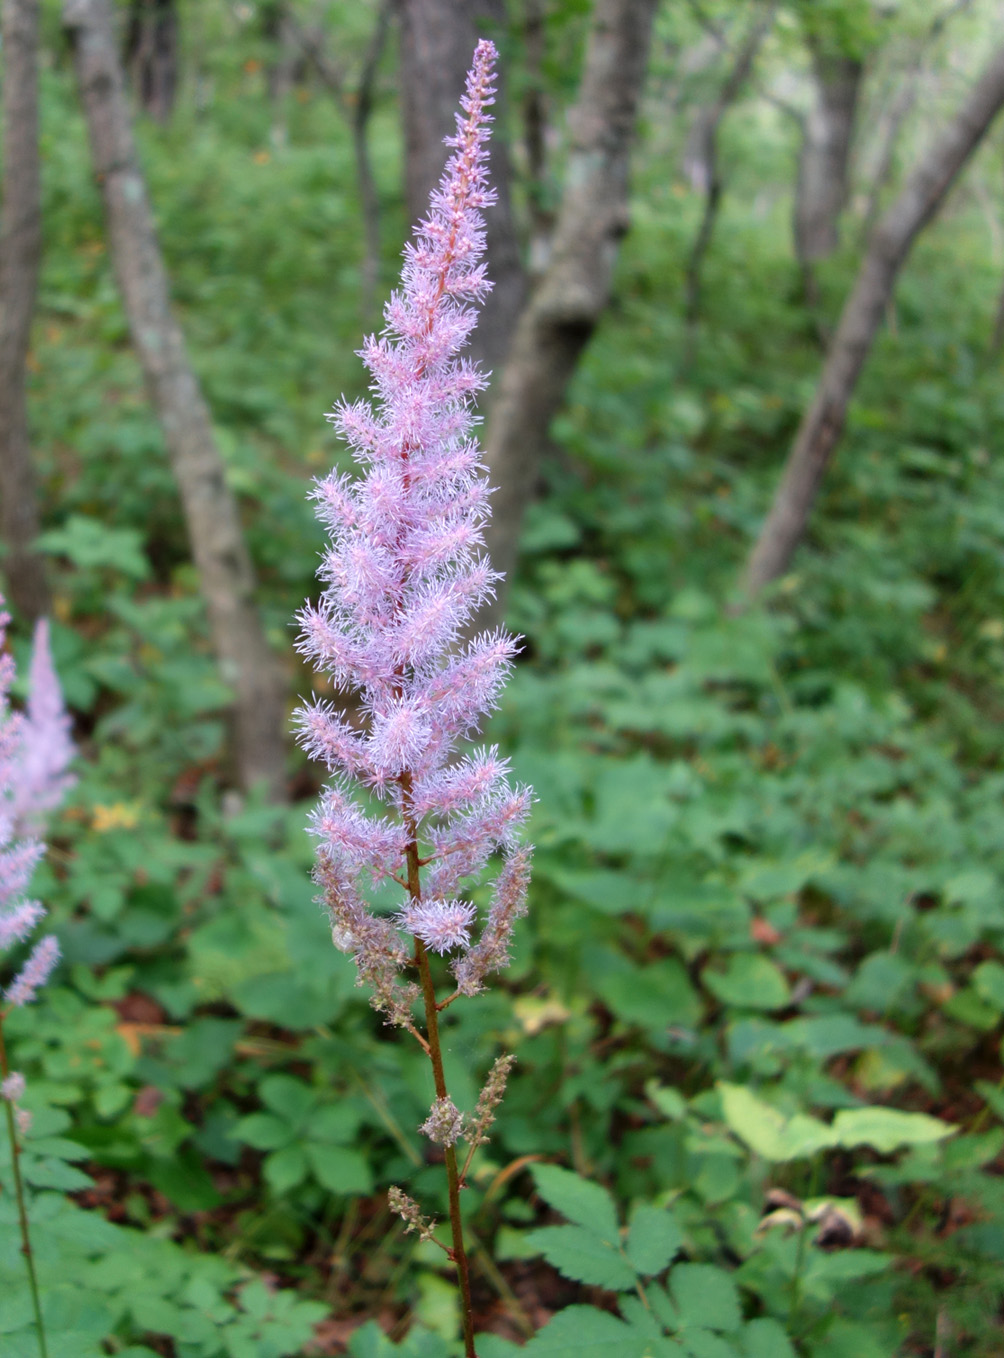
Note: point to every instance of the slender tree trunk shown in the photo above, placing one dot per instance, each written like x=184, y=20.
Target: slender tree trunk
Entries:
x=823, y=423
x=152, y=55
x=437, y=40
x=821, y=187
x=561, y=315
x=358, y=109
x=908, y=85
x=20, y=254
x=211, y=513
x=707, y=170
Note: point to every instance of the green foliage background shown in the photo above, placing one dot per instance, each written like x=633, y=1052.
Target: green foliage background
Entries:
x=768, y=887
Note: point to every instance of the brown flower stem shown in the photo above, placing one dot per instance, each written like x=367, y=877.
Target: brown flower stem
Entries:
x=458, y=1254
x=22, y=1211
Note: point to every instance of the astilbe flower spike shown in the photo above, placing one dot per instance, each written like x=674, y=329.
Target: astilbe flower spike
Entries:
x=405, y=574
x=35, y=750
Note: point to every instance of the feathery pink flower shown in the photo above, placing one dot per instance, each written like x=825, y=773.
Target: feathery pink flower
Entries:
x=41, y=779
x=405, y=574
x=35, y=750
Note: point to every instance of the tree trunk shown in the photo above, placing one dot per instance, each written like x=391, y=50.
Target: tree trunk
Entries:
x=821, y=188
x=152, y=55
x=211, y=514
x=823, y=423
x=437, y=40
x=705, y=168
x=566, y=305
x=907, y=88
x=357, y=108
x=20, y=255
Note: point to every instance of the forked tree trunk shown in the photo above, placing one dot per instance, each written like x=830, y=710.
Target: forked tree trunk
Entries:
x=152, y=55
x=20, y=254
x=565, y=307
x=357, y=107
x=211, y=515
x=821, y=188
x=823, y=423
x=437, y=41
x=705, y=167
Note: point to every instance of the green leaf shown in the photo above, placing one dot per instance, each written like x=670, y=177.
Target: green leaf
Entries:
x=767, y=1131
x=584, y=1332
x=584, y=1257
x=585, y=1203
x=264, y=1131
x=653, y=1240
x=286, y=1168
x=287, y=1096
x=705, y=1297
x=335, y=1122
x=749, y=981
x=340, y=1170
x=887, y=1128
x=704, y=1344
x=988, y=980
x=765, y=1338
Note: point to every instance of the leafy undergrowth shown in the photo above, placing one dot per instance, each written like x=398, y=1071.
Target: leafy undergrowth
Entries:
x=758, y=1003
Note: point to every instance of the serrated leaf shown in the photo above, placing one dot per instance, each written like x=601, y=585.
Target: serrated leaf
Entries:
x=704, y=1344
x=264, y=1131
x=287, y=1096
x=705, y=1297
x=885, y=1129
x=765, y=1338
x=749, y=981
x=767, y=1131
x=584, y=1332
x=653, y=1241
x=585, y=1203
x=286, y=1168
x=339, y=1169
x=584, y=1257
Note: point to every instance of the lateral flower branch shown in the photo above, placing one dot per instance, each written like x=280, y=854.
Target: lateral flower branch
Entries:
x=405, y=573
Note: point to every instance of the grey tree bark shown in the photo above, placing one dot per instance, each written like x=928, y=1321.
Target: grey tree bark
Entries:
x=211, y=513
x=357, y=107
x=890, y=244
x=152, y=55
x=20, y=256
x=703, y=156
x=907, y=89
x=437, y=41
x=559, y=319
x=822, y=183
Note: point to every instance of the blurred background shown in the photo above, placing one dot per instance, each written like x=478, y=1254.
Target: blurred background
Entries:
x=745, y=424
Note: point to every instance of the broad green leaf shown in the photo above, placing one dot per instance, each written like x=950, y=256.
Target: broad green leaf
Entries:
x=988, y=980
x=584, y=1332
x=654, y=1239
x=584, y=1257
x=264, y=1131
x=339, y=1169
x=749, y=981
x=703, y=1344
x=767, y=1131
x=585, y=1203
x=705, y=1297
x=287, y=1096
x=653, y=997
x=335, y=1122
x=765, y=1338
x=286, y=1168
x=887, y=1128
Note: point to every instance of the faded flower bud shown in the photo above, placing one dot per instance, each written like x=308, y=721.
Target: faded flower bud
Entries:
x=408, y=1210
x=476, y=1134
x=445, y=1123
